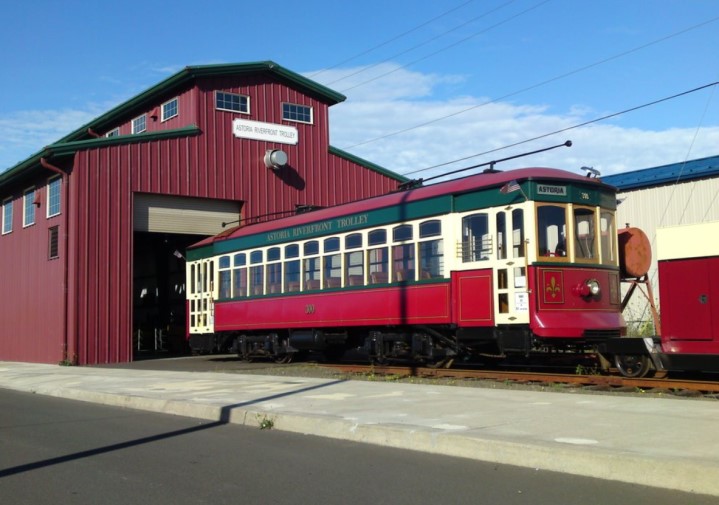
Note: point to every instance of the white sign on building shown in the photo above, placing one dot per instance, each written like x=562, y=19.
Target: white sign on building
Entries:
x=257, y=130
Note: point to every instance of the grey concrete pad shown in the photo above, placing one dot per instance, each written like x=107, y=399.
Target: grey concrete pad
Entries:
x=659, y=442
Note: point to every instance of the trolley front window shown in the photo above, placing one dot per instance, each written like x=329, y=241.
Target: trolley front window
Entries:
x=552, y=231
x=608, y=237
x=585, y=234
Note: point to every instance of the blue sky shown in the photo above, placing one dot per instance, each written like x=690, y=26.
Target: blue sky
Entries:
x=479, y=75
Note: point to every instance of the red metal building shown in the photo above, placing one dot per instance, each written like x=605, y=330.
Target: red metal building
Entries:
x=93, y=226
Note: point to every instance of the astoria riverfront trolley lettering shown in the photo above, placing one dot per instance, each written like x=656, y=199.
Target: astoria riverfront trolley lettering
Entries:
x=546, y=189
x=257, y=130
x=335, y=225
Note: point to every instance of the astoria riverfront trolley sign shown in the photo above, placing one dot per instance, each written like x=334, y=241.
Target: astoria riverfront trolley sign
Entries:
x=257, y=130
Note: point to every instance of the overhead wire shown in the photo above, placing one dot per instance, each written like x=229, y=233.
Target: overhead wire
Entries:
x=392, y=39
x=417, y=46
x=562, y=130
x=537, y=85
x=462, y=41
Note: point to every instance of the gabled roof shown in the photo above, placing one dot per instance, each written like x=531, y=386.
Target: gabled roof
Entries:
x=191, y=73
x=665, y=174
x=74, y=140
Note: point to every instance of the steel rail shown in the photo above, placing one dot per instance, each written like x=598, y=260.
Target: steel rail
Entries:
x=680, y=386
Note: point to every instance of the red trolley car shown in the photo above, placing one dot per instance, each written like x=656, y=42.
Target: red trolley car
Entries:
x=497, y=263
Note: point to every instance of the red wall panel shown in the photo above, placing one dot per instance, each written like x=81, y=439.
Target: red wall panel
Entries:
x=214, y=164
x=32, y=307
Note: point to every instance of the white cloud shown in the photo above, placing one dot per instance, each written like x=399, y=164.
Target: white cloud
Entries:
x=379, y=122
x=27, y=132
x=403, y=99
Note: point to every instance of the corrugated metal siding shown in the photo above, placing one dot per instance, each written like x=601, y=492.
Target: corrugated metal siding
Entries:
x=655, y=207
x=33, y=286
x=214, y=164
x=175, y=214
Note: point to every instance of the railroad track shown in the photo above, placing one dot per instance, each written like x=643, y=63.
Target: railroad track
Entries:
x=678, y=387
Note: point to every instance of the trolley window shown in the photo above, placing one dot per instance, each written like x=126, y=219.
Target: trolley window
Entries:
x=353, y=241
x=403, y=262
x=311, y=266
x=292, y=268
x=430, y=228
x=225, y=277
x=332, y=263
x=402, y=232
x=332, y=244
x=378, y=265
x=476, y=241
x=501, y=236
x=354, y=268
x=256, y=272
x=518, y=249
x=239, y=275
x=585, y=234
x=311, y=248
x=431, y=259
x=274, y=271
x=377, y=237
x=552, y=231
x=608, y=237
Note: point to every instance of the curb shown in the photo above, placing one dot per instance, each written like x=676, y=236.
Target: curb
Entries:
x=686, y=475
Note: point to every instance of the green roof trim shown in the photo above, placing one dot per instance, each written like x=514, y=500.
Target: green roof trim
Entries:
x=367, y=164
x=69, y=148
x=179, y=79
x=65, y=148
x=190, y=73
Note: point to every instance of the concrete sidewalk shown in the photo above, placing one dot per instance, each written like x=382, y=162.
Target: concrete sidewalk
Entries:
x=668, y=443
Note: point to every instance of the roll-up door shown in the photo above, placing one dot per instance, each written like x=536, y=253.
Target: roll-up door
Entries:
x=176, y=214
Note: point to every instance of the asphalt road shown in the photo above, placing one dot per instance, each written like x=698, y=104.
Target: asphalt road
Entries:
x=61, y=451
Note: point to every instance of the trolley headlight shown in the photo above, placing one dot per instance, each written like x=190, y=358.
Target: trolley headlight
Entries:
x=588, y=288
x=592, y=286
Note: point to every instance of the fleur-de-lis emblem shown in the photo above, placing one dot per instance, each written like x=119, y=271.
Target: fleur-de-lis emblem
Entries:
x=553, y=288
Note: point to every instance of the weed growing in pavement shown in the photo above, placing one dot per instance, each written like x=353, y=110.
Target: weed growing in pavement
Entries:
x=586, y=370
x=265, y=423
x=68, y=361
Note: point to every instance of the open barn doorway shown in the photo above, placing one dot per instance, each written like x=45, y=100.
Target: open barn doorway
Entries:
x=159, y=317
x=164, y=226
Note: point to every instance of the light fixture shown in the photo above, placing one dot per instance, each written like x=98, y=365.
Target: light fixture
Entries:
x=588, y=288
x=591, y=171
x=275, y=159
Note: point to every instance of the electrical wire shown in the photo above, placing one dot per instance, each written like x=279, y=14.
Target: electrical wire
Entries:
x=365, y=69
x=537, y=85
x=579, y=125
x=462, y=41
x=389, y=41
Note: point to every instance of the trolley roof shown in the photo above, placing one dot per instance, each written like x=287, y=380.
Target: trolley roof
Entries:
x=433, y=193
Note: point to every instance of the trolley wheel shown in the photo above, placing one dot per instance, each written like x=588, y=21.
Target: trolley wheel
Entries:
x=284, y=358
x=633, y=366
x=443, y=363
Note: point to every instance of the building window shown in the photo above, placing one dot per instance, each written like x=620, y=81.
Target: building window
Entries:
x=54, y=187
x=113, y=133
x=53, y=250
x=7, y=216
x=232, y=102
x=169, y=109
x=294, y=112
x=28, y=217
x=139, y=124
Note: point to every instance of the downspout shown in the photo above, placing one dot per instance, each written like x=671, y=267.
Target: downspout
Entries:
x=66, y=195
